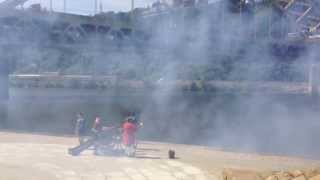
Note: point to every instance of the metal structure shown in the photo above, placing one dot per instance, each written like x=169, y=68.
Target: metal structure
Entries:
x=32, y=25
x=11, y=4
x=115, y=32
x=306, y=14
x=36, y=25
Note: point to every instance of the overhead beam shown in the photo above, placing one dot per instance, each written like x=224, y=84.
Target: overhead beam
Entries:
x=304, y=14
x=289, y=4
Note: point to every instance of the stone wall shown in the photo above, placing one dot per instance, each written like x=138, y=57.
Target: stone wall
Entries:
x=232, y=174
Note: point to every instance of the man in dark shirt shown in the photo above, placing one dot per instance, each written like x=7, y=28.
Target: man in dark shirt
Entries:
x=80, y=127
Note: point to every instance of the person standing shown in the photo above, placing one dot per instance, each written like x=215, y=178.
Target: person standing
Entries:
x=129, y=129
x=97, y=125
x=80, y=128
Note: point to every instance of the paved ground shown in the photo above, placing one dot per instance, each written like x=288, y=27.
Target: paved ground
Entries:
x=25, y=156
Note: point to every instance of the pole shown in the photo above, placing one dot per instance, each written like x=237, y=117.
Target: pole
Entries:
x=95, y=6
x=223, y=14
x=64, y=6
x=255, y=26
x=223, y=19
x=310, y=78
x=51, y=9
x=270, y=24
x=132, y=5
x=240, y=11
x=100, y=7
x=241, y=23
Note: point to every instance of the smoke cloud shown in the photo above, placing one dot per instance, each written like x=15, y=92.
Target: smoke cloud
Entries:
x=197, y=46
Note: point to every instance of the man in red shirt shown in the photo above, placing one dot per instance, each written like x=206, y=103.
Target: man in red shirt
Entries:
x=129, y=129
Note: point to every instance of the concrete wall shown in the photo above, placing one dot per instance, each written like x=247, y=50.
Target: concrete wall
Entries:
x=248, y=122
x=54, y=110
x=4, y=91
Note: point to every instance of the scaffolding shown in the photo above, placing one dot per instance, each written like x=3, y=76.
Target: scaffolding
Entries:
x=306, y=15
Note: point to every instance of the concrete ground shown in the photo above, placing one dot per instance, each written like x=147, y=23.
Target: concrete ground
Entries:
x=30, y=156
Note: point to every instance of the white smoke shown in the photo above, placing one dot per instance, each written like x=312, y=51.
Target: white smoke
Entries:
x=182, y=49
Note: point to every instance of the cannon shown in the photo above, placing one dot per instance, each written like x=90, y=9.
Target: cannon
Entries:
x=106, y=141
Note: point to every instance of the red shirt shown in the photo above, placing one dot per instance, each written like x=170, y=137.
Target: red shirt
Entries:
x=128, y=133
